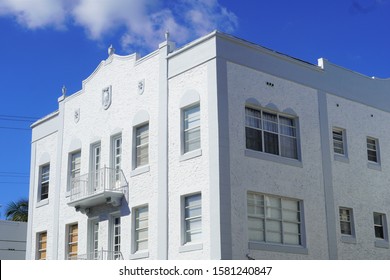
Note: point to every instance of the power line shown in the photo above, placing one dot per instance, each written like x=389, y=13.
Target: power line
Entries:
x=14, y=128
x=19, y=117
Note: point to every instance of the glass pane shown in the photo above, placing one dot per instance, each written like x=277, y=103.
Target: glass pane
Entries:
x=193, y=200
x=270, y=122
x=192, y=117
x=193, y=224
x=255, y=223
x=194, y=236
x=379, y=232
x=255, y=235
x=290, y=205
x=193, y=211
x=271, y=144
x=287, y=126
x=142, y=245
x=273, y=226
x=291, y=239
x=253, y=139
x=275, y=237
x=291, y=228
x=273, y=201
x=288, y=147
x=345, y=227
x=291, y=216
x=142, y=234
x=377, y=219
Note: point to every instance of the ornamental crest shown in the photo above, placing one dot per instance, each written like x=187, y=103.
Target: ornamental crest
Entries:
x=106, y=97
x=141, y=86
x=76, y=115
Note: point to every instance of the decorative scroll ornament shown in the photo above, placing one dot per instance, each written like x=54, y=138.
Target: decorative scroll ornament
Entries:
x=76, y=115
x=141, y=86
x=106, y=97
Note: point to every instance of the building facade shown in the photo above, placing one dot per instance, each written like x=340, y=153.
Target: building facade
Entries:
x=13, y=240
x=220, y=149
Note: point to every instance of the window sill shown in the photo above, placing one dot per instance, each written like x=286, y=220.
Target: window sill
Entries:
x=42, y=203
x=374, y=166
x=274, y=158
x=277, y=248
x=348, y=239
x=190, y=247
x=190, y=155
x=140, y=170
x=341, y=158
x=382, y=244
x=139, y=255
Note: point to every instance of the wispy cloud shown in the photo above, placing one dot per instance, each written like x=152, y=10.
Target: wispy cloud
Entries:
x=142, y=22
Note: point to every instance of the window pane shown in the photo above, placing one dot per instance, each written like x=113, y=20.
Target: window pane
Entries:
x=274, y=237
x=256, y=235
x=377, y=219
x=252, y=118
x=288, y=147
x=270, y=122
x=192, y=218
x=292, y=239
x=253, y=139
x=271, y=144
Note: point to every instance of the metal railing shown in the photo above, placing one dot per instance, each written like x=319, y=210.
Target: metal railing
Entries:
x=104, y=179
x=100, y=255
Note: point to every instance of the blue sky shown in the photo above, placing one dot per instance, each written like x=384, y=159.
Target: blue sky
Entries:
x=45, y=44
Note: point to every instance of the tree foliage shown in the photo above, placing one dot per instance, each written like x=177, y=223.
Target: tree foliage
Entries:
x=17, y=211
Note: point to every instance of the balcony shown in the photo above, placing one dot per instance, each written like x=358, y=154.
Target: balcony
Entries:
x=99, y=255
x=105, y=186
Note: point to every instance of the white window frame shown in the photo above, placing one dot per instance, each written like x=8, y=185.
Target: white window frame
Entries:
x=116, y=155
x=40, y=248
x=266, y=222
x=186, y=130
x=69, y=243
x=95, y=166
x=137, y=229
x=187, y=232
x=272, y=127
x=116, y=236
x=94, y=239
x=44, y=181
x=346, y=217
x=374, y=148
x=73, y=172
x=141, y=147
x=339, y=141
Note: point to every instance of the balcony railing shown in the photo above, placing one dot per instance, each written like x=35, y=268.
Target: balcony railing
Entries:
x=107, y=185
x=100, y=255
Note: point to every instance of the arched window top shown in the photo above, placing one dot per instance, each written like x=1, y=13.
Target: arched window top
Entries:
x=140, y=117
x=190, y=97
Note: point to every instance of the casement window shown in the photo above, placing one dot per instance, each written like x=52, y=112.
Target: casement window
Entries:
x=95, y=165
x=192, y=218
x=191, y=128
x=94, y=227
x=116, y=238
x=116, y=146
x=273, y=219
x=271, y=133
x=72, y=241
x=141, y=145
x=339, y=141
x=74, y=169
x=380, y=225
x=42, y=245
x=141, y=228
x=346, y=221
x=44, y=181
x=372, y=150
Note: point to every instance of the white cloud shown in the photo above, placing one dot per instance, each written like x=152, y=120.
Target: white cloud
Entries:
x=142, y=22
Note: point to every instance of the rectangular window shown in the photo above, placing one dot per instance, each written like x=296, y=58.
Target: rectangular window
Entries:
x=116, y=235
x=74, y=169
x=271, y=133
x=192, y=218
x=96, y=181
x=273, y=219
x=44, y=187
x=142, y=145
x=372, y=149
x=191, y=129
x=346, y=221
x=116, y=160
x=379, y=225
x=338, y=141
x=141, y=228
x=72, y=247
x=94, y=239
x=42, y=245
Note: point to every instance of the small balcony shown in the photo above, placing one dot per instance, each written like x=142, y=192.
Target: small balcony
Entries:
x=105, y=186
x=99, y=255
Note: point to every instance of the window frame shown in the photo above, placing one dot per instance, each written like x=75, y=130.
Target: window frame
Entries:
x=116, y=155
x=281, y=246
x=43, y=181
x=116, y=231
x=40, y=242
x=137, y=229
x=375, y=150
x=138, y=147
x=70, y=255
x=73, y=173
x=278, y=126
x=185, y=150
x=347, y=237
x=185, y=218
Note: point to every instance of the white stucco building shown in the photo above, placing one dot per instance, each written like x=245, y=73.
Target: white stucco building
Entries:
x=13, y=240
x=221, y=149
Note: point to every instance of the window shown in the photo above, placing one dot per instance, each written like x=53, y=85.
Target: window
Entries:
x=379, y=225
x=141, y=228
x=94, y=241
x=42, y=243
x=72, y=247
x=271, y=133
x=191, y=129
x=116, y=238
x=116, y=143
x=192, y=218
x=339, y=141
x=273, y=219
x=142, y=145
x=372, y=149
x=96, y=183
x=74, y=169
x=346, y=221
x=44, y=182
